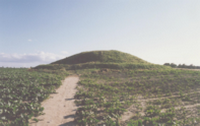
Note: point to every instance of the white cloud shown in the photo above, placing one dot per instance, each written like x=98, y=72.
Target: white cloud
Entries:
x=64, y=52
x=27, y=60
x=29, y=40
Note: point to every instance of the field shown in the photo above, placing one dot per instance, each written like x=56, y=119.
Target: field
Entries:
x=136, y=97
x=21, y=92
x=115, y=89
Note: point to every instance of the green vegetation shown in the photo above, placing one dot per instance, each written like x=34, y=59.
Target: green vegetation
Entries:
x=21, y=92
x=101, y=56
x=101, y=59
x=101, y=65
x=155, y=96
x=111, y=84
x=182, y=66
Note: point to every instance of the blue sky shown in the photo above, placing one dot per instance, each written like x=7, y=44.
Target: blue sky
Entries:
x=34, y=32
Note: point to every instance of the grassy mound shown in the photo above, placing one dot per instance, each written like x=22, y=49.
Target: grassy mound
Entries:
x=100, y=56
x=101, y=59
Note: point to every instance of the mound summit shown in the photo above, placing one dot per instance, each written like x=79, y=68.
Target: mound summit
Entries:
x=111, y=56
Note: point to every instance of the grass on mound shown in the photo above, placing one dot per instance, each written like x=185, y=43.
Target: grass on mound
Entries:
x=101, y=59
x=101, y=56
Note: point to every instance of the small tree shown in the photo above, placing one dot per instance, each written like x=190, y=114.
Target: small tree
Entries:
x=167, y=64
x=173, y=65
x=191, y=66
x=180, y=66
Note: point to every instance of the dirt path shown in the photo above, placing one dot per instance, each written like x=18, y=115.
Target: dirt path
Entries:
x=59, y=109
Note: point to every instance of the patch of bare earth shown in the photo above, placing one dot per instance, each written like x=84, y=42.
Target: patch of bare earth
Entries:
x=60, y=108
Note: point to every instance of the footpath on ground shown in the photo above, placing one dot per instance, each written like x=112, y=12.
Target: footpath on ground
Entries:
x=59, y=108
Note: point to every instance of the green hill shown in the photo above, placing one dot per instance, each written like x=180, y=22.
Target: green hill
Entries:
x=101, y=59
x=100, y=56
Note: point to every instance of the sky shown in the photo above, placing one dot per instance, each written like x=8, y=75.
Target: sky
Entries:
x=34, y=32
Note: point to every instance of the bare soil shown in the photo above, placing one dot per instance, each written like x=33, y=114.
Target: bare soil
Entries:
x=59, y=108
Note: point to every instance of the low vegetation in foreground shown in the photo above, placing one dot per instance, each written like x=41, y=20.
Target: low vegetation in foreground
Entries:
x=152, y=97
x=21, y=92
